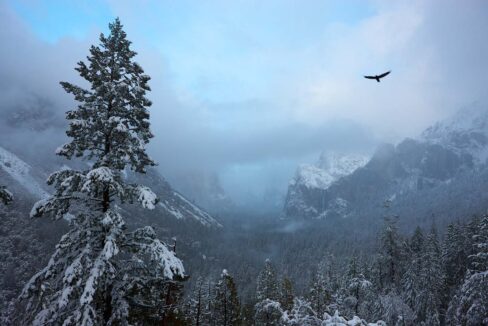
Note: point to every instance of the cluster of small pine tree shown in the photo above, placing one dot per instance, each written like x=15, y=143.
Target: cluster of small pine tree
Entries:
x=217, y=303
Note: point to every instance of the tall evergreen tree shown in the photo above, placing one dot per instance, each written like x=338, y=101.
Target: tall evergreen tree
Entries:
x=454, y=258
x=6, y=196
x=358, y=292
x=226, y=303
x=470, y=305
x=286, y=294
x=100, y=273
x=428, y=301
x=197, y=307
x=318, y=296
x=454, y=263
x=411, y=278
x=390, y=255
x=267, y=283
x=267, y=310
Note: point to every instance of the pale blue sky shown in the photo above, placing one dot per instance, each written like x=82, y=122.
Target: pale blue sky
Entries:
x=220, y=50
x=251, y=88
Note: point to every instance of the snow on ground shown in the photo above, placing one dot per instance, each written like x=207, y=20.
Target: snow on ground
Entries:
x=20, y=172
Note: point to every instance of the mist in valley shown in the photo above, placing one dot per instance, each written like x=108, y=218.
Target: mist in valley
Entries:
x=292, y=190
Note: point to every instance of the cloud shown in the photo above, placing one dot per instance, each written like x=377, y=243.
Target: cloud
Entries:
x=251, y=87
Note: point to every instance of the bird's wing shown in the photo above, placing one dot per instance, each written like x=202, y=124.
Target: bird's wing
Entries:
x=370, y=77
x=385, y=74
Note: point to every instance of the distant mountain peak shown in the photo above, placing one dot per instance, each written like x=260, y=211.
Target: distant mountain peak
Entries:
x=310, y=178
x=444, y=171
x=330, y=167
x=466, y=132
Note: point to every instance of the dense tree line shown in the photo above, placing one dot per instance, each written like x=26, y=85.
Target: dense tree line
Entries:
x=414, y=280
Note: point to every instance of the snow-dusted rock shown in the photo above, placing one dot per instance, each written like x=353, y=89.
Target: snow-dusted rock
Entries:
x=305, y=189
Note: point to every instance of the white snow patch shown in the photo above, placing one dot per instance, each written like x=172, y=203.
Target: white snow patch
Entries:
x=147, y=198
x=170, y=209
x=311, y=176
x=330, y=168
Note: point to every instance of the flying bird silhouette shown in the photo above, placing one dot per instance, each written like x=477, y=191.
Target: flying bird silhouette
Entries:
x=378, y=77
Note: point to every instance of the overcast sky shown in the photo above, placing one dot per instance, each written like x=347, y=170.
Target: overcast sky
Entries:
x=252, y=88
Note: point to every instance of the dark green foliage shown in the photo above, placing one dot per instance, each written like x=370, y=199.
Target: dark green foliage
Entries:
x=226, y=306
x=390, y=258
x=267, y=283
x=286, y=294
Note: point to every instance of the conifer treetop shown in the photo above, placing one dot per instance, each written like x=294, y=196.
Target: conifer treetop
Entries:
x=111, y=123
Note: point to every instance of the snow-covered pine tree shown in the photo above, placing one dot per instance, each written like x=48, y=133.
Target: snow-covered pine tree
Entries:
x=101, y=274
x=332, y=278
x=5, y=196
x=454, y=263
x=394, y=311
x=411, y=278
x=388, y=271
x=267, y=283
x=391, y=255
x=286, y=294
x=470, y=306
x=359, y=299
x=301, y=314
x=454, y=258
x=226, y=303
x=471, y=231
x=268, y=313
x=199, y=305
x=267, y=296
x=318, y=294
x=428, y=300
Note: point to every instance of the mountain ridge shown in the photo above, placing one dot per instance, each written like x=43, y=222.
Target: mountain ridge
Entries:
x=445, y=156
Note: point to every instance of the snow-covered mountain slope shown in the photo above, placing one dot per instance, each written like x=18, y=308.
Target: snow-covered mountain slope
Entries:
x=466, y=132
x=179, y=207
x=443, y=172
x=310, y=180
x=330, y=167
x=21, y=172
x=31, y=178
x=172, y=203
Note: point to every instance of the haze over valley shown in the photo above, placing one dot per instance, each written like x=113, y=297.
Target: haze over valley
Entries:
x=227, y=163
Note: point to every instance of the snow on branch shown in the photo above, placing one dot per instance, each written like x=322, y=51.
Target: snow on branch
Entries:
x=146, y=197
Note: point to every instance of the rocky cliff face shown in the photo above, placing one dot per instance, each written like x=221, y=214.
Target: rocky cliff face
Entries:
x=305, y=191
x=446, y=165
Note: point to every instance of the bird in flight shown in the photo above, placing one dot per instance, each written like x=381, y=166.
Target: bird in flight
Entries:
x=378, y=77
